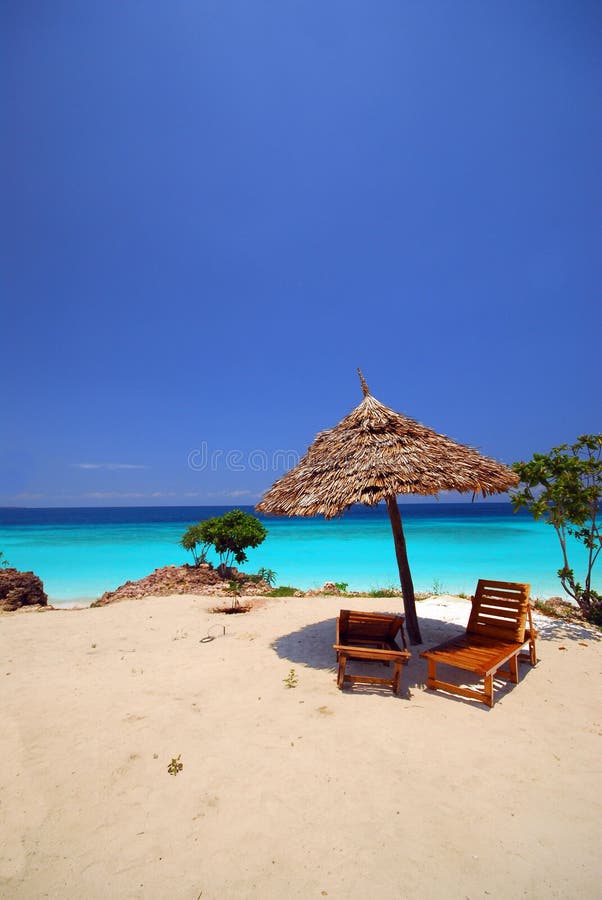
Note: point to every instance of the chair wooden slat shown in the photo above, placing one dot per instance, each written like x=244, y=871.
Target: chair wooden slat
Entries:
x=495, y=637
x=372, y=637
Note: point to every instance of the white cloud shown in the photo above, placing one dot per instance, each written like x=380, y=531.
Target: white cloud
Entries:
x=109, y=466
x=237, y=492
x=108, y=495
x=127, y=495
x=26, y=495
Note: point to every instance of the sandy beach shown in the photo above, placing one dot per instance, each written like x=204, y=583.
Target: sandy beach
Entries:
x=303, y=792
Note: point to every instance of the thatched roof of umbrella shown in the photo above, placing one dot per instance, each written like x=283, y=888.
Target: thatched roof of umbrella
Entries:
x=374, y=454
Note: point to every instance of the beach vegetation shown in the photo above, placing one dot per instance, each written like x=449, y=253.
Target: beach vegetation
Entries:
x=193, y=541
x=341, y=586
x=283, y=590
x=384, y=592
x=291, y=680
x=230, y=536
x=557, y=608
x=175, y=765
x=4, y=563
x=235, y=589
x=563, y=488
x=267, y=575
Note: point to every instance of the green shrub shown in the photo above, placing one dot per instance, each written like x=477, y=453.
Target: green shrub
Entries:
x=192, y=540
x=564, y=488
x=267, y=575
x=284, y=590
x=384, y=592
x=229, y=535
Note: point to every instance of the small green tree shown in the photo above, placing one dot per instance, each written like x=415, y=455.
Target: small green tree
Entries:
x=235, y=590
x=192, y=540
x=563, y=487
x=267, y=575
x=231, y=534
x=4, y=563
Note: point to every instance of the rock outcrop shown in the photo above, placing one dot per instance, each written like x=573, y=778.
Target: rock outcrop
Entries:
x=19, y=589
x=203, y=579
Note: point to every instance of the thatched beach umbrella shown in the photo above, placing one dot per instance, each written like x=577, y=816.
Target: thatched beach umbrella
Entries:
x=374, y=454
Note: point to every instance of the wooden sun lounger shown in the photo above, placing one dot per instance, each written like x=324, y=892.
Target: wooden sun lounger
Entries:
x=494, y=640
x=370, y=636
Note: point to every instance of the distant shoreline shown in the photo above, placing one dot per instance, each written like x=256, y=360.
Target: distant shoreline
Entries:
x=81, y=553
x=411, y=500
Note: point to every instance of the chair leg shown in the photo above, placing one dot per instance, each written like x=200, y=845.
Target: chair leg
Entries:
x=431, y=677
x=397, y=677
x=532, y=653
x=341, y=672
x=489, y=690
x=513, y=666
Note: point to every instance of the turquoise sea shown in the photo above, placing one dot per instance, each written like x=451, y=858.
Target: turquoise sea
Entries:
x=80, y=553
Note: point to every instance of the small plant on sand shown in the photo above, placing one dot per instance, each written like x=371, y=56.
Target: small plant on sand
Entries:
x=341, y=586
x=4, y=563
x=175, y=765
x=437, y=588
x=563, y=487
x=235, y=590
x=291, y=680
x=267, y=575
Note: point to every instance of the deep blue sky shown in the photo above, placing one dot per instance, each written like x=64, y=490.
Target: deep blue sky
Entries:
x=213, y=211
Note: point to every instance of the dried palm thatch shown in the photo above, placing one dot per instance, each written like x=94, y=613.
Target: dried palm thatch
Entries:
x=374, y=454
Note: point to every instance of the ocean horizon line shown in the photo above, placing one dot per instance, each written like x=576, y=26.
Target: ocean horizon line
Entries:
x=431, y=500
x=81, y=552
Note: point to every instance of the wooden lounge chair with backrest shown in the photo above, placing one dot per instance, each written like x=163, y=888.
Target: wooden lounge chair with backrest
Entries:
x=370, y=636
x=495, y=636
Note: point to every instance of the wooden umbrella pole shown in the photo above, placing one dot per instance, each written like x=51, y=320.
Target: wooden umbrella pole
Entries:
x=405, y=576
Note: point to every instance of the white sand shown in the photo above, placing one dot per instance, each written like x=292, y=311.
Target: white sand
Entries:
x=307, y=792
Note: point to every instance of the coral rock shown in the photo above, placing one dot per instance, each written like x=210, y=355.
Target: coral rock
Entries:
x=20, y=589
x=203, y=579
x=329, y=587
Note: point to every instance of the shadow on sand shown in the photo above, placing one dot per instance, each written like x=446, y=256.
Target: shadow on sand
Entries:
x=562, y=630
x=312, y=646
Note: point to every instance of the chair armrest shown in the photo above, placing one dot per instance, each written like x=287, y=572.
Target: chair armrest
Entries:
x=371, y=653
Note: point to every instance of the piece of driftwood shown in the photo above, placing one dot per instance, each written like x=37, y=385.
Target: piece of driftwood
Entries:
x=493, y=643
x=370, y=636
